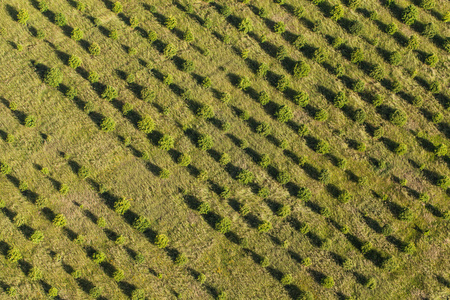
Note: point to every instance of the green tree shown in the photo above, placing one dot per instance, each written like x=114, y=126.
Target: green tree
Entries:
x=410, y=14
x=122, y=205
x=22, y=16
x=146, y=124
x=77, y=34
x=161, y=241
x=301, y=69
x=337, y=12
x=170, y=22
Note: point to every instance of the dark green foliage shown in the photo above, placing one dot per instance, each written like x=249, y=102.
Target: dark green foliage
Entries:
x=304, y=228
x=371, y=283
x=396, y=86
x=337, y=12
x=302, y=99
x=204, y=208
x=401, y=149
x=387, y=230
x=377, y=100
x=146, y=124
x=224, y=225
x=245, y=26
x=410, y=14
x=110, y=93
x=264, y=129
x=409, y=248
x=339, y=70
x=170, y=22
x=340, y=99
x=389, y=264
x=188, y=36
x=279, y=27
x=301, y=69
x=205, y=142
x=206, y=82
x=283, y=177
x=427, y=4
x=147, y=95
x=430, y=30
x=284, y=114
x=94, y=49
x=22, y=16
x=264, y=161
x=34, y=274
x=398, y=117
x=60, y=19
x=53, y=77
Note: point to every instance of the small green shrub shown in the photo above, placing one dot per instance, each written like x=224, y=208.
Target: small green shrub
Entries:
x=264, y=227
x=166, y=142
x=141, y=223
x=42, y=5
x=356, y=27
x=205, y=142
x=146, y=124
x=161, y=241
x=244, y=83
x=357, y=55
x=282, y=83
x=117, y=7
x=391, y=28
x=184, y=160
x=245, y=177
x=377, y=72
x=224, y=225
x=395, y=58
x=398, y=117
x=432, y=60
x=327, y=282
x=245, y=26
x=401, y=149
x=304, y=194
x=286, y=279
x=303, y=130
x=279, y=27
x=284, y=114
x=59, y=220
x=437, y=118
x=37, y=237
x=301, y=69
x=94, y=49
x=53, y=77
x=181, y=259
x=337, y=12
x=60, y=19
x=284, y=211
x=320, y=55
x=77, y=34
x=264, y=129
x=35, y=274
x=430, y=30
x=413, y=42
x=340, y=100
x=170, y=50
x=283, y=177
x=443, y=182
x=299, y=42
x=108, y=124
x=122, y=205
x=22, y=16
x=410, y=14
x=345, y=196
x=74, y=61
x=409, y=248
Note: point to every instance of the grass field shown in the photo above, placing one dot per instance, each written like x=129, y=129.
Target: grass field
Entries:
x=329, y=184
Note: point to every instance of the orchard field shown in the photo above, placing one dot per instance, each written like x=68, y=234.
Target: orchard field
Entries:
x=251, y=149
